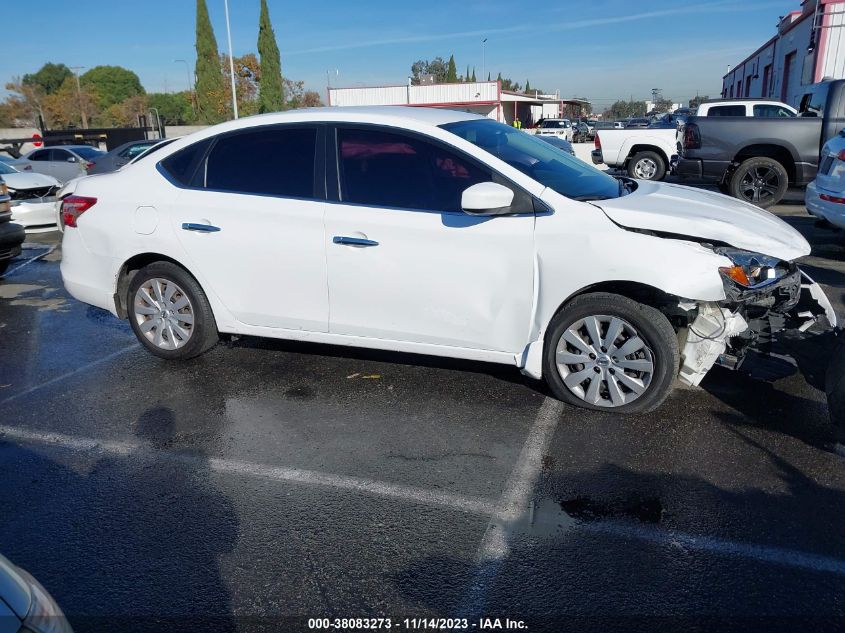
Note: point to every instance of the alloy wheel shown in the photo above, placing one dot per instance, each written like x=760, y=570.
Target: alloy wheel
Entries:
x=759, y=184
x=645, y=169
x=603, y=361
x=163, y=313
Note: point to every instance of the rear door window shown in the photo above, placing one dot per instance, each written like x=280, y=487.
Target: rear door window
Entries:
x=769, y=110
x=42, y=154
x=278, y=161
x=731, y=110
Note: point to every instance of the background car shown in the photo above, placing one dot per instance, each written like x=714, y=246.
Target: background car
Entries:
x=560, y=143
x=120, y=156
x=11, y=234
x=62, y=163
x=638, y=122
x=559, y=127
x=580, y=132
x=8, y=160
x=825, y=197
x=25, y=605
x=33, y=197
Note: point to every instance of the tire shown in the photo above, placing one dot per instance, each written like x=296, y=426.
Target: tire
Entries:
x=185, y=325
x=760, y=181
x=647, y=166
x=725, y=188
x=4, y=266
x=657, y=359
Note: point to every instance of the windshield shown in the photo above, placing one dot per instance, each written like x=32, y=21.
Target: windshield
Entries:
x=544, y=163
x=7, y=169
x=87, y=152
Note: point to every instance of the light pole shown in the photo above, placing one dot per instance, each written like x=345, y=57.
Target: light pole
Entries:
x=82, y=114
x=483, y=42
x=231, y=60
x=190, y=83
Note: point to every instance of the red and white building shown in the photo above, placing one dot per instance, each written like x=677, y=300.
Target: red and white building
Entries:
x=482, y=97
x=809, y=46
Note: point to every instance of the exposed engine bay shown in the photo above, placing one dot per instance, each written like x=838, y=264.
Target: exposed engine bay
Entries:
x=770, y=306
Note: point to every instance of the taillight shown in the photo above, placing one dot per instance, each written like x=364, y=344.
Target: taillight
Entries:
x=73, y=207
x=835, y=199
x=841, y=155
x=597, y=142
x=692, y=137
x=89, y=165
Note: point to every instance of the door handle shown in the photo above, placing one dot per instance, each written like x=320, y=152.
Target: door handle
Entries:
x=353, y=241
x=201, y=228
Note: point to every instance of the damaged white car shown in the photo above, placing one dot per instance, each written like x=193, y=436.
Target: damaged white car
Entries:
x=436, y=232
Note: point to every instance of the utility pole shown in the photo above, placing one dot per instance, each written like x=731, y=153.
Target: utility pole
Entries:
x=231, y=60
x=483, y=42
x=82, y=114
x=190, y=83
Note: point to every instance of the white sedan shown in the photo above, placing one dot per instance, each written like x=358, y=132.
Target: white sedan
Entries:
x=825, y=197
x=33, y=198
x=436, y=232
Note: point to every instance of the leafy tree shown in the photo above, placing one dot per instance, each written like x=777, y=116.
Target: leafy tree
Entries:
x=173, y=108
x=247, y=82
x=586, y=108
x=49, y=77
x=472, y=79
x=270, y=96
x=210, y=85
x=436, y=67
x=452, y=72
x=663, y=105
x=626, y=109
x=111, y=85
x=65, y=107
x=697, y=101
x=298, y=97
x=23, y=105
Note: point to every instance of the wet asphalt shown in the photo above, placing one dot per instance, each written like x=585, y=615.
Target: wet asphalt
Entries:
x=267, y=482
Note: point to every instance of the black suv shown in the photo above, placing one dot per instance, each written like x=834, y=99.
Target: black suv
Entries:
x=11, y=235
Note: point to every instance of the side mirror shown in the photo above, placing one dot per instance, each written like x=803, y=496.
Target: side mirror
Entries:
x=71, y=159
x=487, y=198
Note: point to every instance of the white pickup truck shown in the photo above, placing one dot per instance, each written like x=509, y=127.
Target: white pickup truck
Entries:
x=645, y=153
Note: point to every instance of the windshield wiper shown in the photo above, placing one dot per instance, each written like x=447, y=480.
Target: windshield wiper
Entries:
x=590, y=198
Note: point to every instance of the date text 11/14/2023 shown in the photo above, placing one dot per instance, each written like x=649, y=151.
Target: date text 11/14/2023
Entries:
x=416, y=624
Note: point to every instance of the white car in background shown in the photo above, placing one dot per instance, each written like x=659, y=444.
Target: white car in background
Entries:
x=33, y=198
x=437, y=232
x=63, y=162
x=746, y=107
x=825, y=197
x=556, y=127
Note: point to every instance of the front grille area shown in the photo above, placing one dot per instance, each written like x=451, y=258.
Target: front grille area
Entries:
x=32, y=194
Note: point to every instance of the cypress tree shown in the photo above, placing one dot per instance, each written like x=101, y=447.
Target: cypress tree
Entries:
x=452, y=72
x=209, y=87
x=488, y=75
x=466, y=77
x=270, y=90
x=473, y=75
x=499, y=78
x=527, y=86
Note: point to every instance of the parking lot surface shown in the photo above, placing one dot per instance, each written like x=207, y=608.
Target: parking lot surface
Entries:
x=269, y=482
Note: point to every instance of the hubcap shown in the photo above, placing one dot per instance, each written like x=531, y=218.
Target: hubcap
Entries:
x=164, y=313
x=645, y=169
x=603, y=361
x=759, y=184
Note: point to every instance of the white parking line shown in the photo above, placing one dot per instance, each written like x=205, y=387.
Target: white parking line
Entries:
x=78, y=370
x=30, y=260
x=514, y=503
x=413, y=494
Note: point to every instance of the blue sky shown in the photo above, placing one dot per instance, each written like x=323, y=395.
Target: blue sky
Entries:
x=603, y=49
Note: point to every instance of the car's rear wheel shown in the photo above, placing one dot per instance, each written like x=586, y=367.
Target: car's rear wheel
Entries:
x=647, y=166
x=761, y=181
x=607, y=352
x=169, y=312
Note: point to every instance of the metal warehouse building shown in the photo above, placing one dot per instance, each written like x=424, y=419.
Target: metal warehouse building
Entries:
x=809, y=46
x=483, y=97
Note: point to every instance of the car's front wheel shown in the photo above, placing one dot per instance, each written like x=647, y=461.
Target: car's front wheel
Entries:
x=169, y=312
x=607, y=352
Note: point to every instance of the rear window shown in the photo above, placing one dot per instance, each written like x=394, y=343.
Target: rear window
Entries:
x=813, y=103
x=730, y=110
x=87, y=152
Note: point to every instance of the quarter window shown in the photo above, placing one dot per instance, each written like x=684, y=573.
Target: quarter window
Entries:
x=384, y=169
x=265, y=161
x=772, y=111
x=182, y=165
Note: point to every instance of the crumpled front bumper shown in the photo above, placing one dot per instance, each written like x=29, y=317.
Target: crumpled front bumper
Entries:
x=790, y=318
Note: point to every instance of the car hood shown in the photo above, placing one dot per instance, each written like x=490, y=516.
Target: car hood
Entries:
x=29, y=180
x=707, y=215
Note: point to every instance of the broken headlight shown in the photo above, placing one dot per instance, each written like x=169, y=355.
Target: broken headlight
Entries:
x=752, y=270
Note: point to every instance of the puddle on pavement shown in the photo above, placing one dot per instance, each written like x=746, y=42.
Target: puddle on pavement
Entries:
x=548, y=518
x=21, y=295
